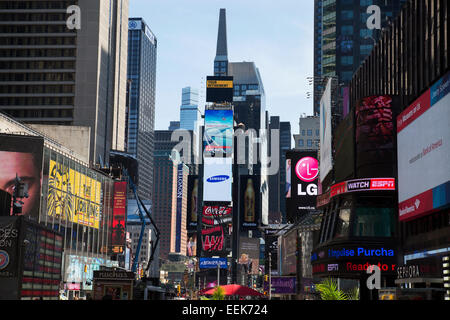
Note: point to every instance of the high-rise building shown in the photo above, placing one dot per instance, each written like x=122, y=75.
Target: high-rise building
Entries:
x=345, y=33
x=277, y=182
x=52, y=74
x=142, y=48
x=221, y=59
x=174, y=125
x=164, y=209
x=189, y=111
x=309, y=133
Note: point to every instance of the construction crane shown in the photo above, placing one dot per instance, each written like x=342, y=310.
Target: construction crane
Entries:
x=141, y=210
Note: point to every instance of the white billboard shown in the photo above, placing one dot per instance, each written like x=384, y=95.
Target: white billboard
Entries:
x=217, y=179
x=424, y=152
x=326, y=162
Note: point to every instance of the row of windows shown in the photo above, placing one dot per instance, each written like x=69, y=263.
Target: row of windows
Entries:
x=60, y=28
x=15, y=53
x=309, y=132
x=37, y=41
x=309, y=143
x=50, y=76
x=33, y=16
x=14, y=4
x=45, y=113
x=37, y=89
x=36, y=101
x=31, y=65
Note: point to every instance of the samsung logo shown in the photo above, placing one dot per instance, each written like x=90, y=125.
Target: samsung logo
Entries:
x=220, y=178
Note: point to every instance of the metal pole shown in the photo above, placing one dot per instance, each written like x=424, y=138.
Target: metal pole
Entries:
x=218, y=273
x=270, y=277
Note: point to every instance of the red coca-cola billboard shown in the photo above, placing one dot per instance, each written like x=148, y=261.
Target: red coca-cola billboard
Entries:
x=216, y=222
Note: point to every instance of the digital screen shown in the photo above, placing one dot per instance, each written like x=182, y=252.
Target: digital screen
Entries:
x=219, y=89
x=218, y=134
x=250, y=199
x=21, y=156
x=119, y=216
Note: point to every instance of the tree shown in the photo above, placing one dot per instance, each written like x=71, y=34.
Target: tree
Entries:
x=219, y=294
x=329, y=291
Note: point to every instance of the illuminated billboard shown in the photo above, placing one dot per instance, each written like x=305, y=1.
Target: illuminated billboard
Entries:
x=218, y=134
x=119, y=217
x=215, y=230
x=21, y=156
x=250, y=201
x=219, y=89
x=249, y=254
x=217, y=177
x=423, y=134
x=304, y=176
x=374, y=135
x=73, y=196
x=192, y=203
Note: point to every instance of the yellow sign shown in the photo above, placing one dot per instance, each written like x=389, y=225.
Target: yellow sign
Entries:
x=73, y=196
x=219, y=84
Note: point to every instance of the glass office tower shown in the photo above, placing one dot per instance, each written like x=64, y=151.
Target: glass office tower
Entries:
x=142, y=46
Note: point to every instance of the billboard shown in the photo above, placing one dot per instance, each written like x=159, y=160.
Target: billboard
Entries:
x=288, y=178
x=374, y=136
x=73, y=196
x=119, y=217
x=22, y=157
x=282, y=285
x=218, y=134
x=217, y=177
x=250, y=201
x=215, y=230
x=289, y=253
x=249, y=254
x=423, y=134
x=304, y=177
x=179, y=212
x=212, y=263
x=344, y=161
x=326, y=163
x=192, y=203
x=219, y=89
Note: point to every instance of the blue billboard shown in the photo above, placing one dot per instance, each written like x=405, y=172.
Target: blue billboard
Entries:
x=211, y=263
x=218, y=136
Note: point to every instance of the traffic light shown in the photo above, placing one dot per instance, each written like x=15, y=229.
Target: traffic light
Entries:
x=266, y=278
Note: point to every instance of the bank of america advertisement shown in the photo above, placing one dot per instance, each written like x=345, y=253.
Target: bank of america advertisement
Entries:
x=217, y=178
x=424, y=152
x=218, y=136
x=325, y=133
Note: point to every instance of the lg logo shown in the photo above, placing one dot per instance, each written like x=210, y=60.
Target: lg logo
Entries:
x=307, y=170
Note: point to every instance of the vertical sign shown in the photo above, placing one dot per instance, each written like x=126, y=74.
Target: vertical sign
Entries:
x=119, y=217
x=179, y=207
x=192, y=203
x=250, y=199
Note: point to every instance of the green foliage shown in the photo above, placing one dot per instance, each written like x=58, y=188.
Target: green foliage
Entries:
x=329, y=291
x=353, y=294
x=219, y=294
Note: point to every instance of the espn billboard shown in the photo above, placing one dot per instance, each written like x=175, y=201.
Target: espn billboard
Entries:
x=423, y=134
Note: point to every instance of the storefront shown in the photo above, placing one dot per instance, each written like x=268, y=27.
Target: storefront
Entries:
x=113, y=284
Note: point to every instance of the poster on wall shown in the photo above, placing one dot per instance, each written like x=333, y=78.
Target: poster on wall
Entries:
x=249, y=254
x=21, y=158
x=423, y=134
x=250, y=201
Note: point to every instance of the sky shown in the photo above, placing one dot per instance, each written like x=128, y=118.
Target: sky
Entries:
x=277, y=35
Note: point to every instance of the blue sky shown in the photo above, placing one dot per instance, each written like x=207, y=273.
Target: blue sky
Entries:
x=276, y=35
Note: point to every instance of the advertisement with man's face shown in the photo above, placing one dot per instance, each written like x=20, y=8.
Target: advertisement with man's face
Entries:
x=21, y=158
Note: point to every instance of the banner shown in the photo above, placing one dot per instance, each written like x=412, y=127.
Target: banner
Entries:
x=73, y=196
x=250, y=201
x=119, y=217
x=192, y=203
x=217, y=177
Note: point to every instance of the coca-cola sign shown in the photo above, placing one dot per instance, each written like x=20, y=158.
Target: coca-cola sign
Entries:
x=220, y=211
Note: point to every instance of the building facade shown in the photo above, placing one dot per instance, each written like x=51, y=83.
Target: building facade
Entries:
x=56, y=74
x=190, y=114
x=309, y=135
x=142, y=52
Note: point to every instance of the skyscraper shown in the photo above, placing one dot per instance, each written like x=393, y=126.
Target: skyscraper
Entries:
x=169, y=215
x=345, y=33
x=221, y=59
x=55, y=75
x=189, y=111
x=142, y=47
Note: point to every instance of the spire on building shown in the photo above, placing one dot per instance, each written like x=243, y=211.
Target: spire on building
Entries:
x=221, y=60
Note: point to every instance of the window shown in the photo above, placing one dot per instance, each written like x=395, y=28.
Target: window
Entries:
x=303, y=132
x=301, y=143
x=309, y=143
x=317, y=132
x=309, y=132
x=347, y=60
x=343, y=223
x=374, y=222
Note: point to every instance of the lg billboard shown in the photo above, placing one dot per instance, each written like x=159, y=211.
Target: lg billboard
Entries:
x=304, y=178
x=423, y=133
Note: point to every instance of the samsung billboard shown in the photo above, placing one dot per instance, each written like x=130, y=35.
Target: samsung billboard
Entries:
x=423, y=134
x=217, y=179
